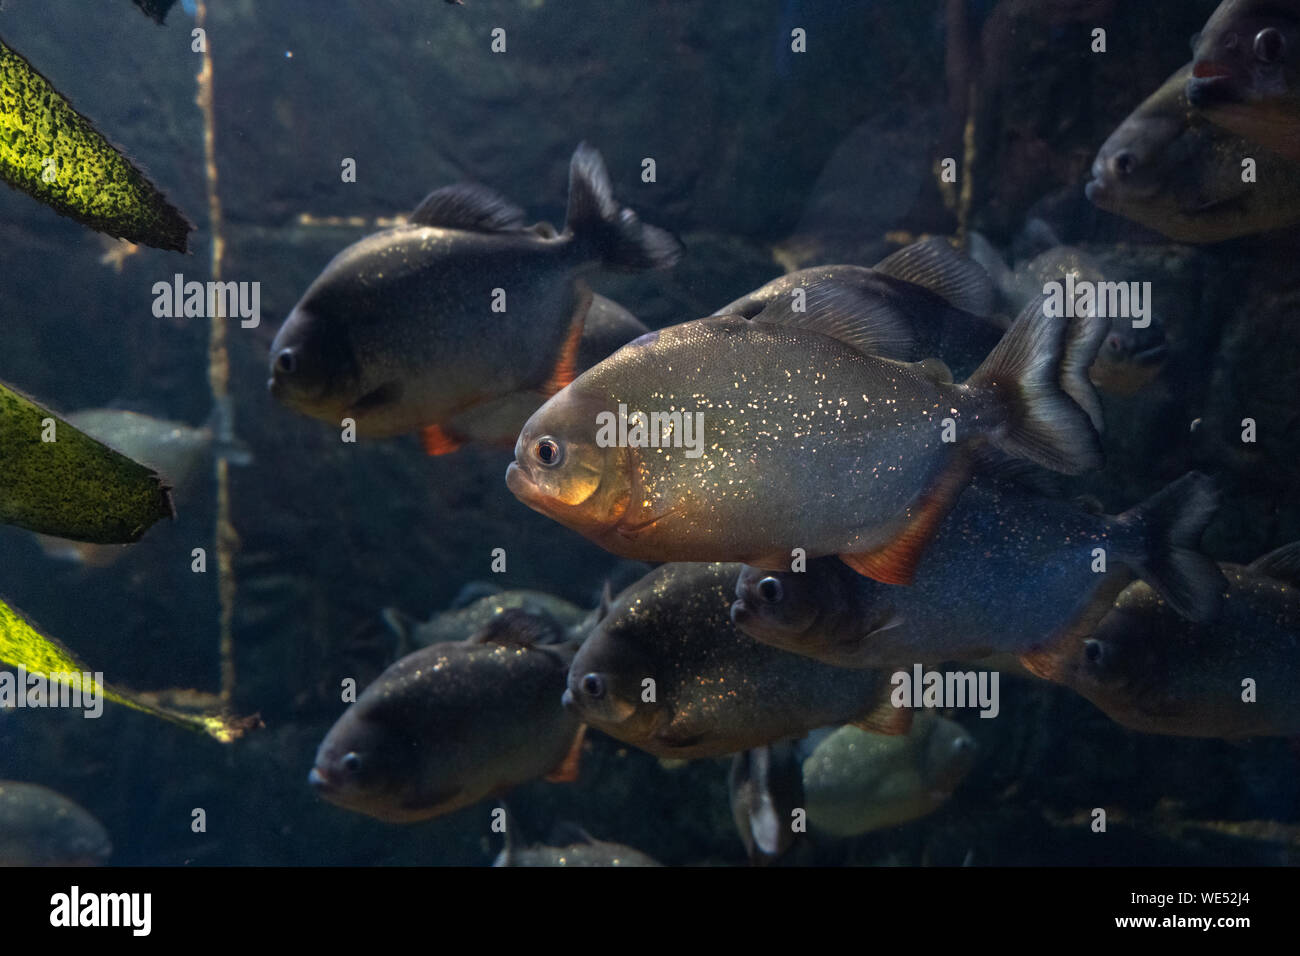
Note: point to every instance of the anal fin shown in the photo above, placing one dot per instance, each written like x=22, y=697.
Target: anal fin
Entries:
x=567, y=771
x=896, y=562
x=440, y=441
x=565, y=369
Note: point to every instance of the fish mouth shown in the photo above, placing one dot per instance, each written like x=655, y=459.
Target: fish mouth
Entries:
x=1208, y=70
x=522, y=486
x=740, y=613
x=319, y=781
x=1096, y=190
x=1099, y=188
x=1211, y=85
x=568, y=701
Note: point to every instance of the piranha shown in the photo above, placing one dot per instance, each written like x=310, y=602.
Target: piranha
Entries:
x=39, y=827
x=1007, y=574
x=1171, y=170
x=765, y=790
x=855, y=782
x=666, y=671
x=731, y=439
x=1155, y=672
x=575, y=847
x=455, y=723
x=465, y=620
x=1246, y=72
x=425, y=325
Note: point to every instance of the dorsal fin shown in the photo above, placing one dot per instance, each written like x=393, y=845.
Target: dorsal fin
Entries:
x=936, y=370
x=515, y=626
x=843, y=311
x=473, y=591
x=935, y=265
x=468, y=206
x=566, y=833
x=1281, y=565
x=606, y=602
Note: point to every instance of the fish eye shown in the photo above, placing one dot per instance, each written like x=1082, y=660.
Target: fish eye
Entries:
x=1270, y=45
x=770, y=590
x=593, y=685
x=1123, y=162
x=286, y=362
x=351, y=762
x=1092, y=651
x=548, y=451
x=1114, y=343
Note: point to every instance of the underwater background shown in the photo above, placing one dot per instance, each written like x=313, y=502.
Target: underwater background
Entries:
x=767, y=160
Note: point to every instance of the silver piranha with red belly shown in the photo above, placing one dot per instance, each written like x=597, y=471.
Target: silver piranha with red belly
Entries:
x=400, y=333
x=740, y=440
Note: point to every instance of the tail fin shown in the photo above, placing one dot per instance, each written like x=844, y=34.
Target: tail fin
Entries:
x=1083, y=342
x=1040, y=362
x=1171, y=522
x=621, y=241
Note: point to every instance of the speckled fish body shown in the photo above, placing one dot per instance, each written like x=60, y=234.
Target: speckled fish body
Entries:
x=715, y=691
x=1007, y=573
x=803, y=441
x=450, y=725
x=1158, y=673
x=607, y=327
